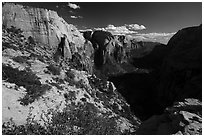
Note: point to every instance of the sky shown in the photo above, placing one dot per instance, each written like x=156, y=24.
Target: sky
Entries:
x=148, y=21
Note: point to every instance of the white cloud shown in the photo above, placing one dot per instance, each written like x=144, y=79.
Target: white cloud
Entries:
x=73, y=17
x=135, y=27
x=76, y=17
x=119, y=30
x=73, y=6
x=110, y=27
x=123, y=30
x=100, y=29
x=84, y=30
x=155, y=37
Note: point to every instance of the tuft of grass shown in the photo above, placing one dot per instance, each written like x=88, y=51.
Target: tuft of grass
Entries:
x=28, y=80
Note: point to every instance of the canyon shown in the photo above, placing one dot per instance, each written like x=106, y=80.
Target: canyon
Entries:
x=146, y=88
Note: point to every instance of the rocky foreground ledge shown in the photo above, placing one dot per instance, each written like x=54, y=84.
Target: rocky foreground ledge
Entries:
x=183, y=118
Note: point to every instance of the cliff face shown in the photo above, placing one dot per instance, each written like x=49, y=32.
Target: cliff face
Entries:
x=181, y=73
x=43, y=25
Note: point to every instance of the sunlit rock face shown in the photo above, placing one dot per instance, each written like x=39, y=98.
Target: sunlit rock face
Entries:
x=45, y=26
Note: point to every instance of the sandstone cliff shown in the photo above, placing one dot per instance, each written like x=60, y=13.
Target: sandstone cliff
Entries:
x=45, y=26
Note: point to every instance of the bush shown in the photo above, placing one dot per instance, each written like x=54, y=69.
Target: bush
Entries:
x=33, y=93
x=6, y=45
x=10, y=128
x=31, y=40
x=77, y=120
x=20, y=59
x=14, y=30
x=55, y=70
x=84, y=117
x=56, y=85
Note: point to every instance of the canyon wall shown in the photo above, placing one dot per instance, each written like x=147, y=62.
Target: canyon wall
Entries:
x=44, y=26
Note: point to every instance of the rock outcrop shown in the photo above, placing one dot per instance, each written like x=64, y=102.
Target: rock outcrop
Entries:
x=183, y=118
x=181, y=73
x=44, y=26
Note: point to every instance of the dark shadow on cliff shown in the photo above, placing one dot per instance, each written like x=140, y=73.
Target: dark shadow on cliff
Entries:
x=151, y=59
x=175, y=74
x=139, y=88
x=140, y=92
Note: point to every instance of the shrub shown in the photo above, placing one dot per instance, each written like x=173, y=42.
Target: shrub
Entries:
x=55, y=70
x=84, y=117
x=77, y=120
x=6, y=45
x=31, y=40
x=14, y=30
x=56, y=85
x=10, y=128
x=20, y=59
x=33, y=93
x=70, y=78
